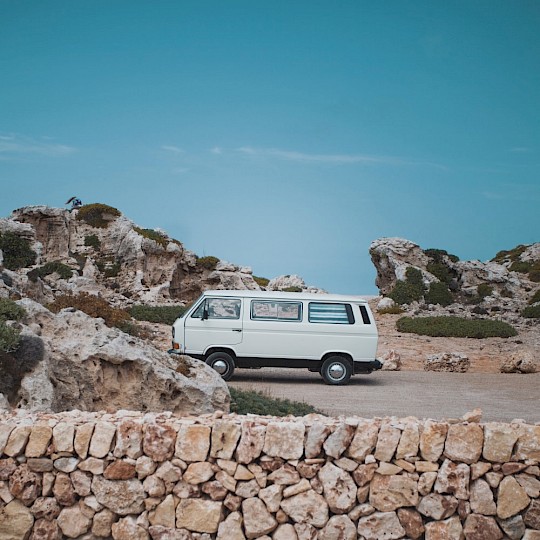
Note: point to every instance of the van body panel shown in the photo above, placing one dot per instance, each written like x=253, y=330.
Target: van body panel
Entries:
x=263, y=328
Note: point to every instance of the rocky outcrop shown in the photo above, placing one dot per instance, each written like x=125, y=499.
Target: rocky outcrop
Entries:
x=73, y=361
x=134, y=475
x=504, y=284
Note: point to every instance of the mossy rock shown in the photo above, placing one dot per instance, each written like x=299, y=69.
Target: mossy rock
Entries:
x=97, y=214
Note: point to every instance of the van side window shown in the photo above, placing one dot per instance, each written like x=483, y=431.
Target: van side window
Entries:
x=365, y=316
x=219, y=308
x=330, y=313
x=276, y=311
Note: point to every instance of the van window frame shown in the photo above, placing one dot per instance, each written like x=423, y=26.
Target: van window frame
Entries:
x=348, y=310
x=277, y=319
x=208, y=298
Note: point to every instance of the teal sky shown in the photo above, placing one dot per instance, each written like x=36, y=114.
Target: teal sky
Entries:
x=281, y=135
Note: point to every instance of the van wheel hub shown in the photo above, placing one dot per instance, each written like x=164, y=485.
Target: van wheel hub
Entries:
x=220, y=366
x=336, y=371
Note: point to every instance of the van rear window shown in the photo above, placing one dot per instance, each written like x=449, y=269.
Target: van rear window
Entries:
x=276, y=311
x=330, y=313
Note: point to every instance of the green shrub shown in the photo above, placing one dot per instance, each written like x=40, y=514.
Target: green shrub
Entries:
x=455, y=327
x=523, y=267
x=440, y=271
x=108, y=266
x=208, y=263
x=534, y=273
x=17, y=251
x=439, y=293
x=10, y=311
x=484, y=290
x=535, y=297
x=152, y=235
x=63, y=270
x=438, y=255
x=252, y=402
x=96, y=307
x=293, y=288
x=410, y=290
x=512, y=254
x=10, y=338
x=156, y=314
x=97, y=215
x=531, y=312
x=261, y=281
x=92, y=241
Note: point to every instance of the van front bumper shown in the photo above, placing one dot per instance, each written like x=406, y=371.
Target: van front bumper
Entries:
x=367, y=367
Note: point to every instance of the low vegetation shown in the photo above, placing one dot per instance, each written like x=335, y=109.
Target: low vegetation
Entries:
x=261, y=281
x=96, y=307
x=97, y=214
x=108, y=266
x=392, y=310
x=455, y=327
x=535, y=298
x=293, y=288
x=156, y=314
x=63, y=271
x=410, y=290
x=531, y=312
x=532, y=268
x=510, y=255
x=16, y=251
x=439, y=254
x=92, y=241
x=10, y=338
x=208, y=263
x=439, y=293
x=253, y=402
x=151, y=234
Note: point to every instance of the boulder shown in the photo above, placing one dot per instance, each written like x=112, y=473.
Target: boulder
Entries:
x=86, y=365
x=449, y=362
x=523, y=361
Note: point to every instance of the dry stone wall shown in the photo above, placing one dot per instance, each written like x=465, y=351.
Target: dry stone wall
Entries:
x=131, y=475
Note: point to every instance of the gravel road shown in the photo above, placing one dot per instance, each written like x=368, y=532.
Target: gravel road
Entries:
x=502, y=397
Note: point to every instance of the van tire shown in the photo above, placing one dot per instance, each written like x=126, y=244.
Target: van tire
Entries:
x=336, y=370
x=223, y=363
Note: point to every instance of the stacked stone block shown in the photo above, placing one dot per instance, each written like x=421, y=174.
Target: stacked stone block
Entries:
x=155, y=476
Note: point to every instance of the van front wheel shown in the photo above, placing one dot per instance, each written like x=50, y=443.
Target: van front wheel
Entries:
x=336, y=370
x=222, y=363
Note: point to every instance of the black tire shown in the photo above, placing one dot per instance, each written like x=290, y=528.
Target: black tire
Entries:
x=336, y=370
x=223, y=363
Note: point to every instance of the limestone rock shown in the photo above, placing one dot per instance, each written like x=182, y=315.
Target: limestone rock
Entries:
x=454, y=479
x=285, y=531
x=199, y=515
x=159, y=441
x=411, y=521
x=432, y=440
x=15, y=521
x=45, y=530
x=87, y=365
x=285, y=440
x=316, y=436
x=438, y=506
x=523, y=361
x=449, y=529
x=339, y=440
x=511, y=498
x=128, y=529
x=392, y=359
x=308, y=507
x=73, y=522
x=387, y=442
x=482, y=498
x=224, y=438
x=121, y=496
x=257, y=520
x=387, y=493
x=513, y=527
x=251, y=442
x=449, y=362
x=339, y=528
x=231, y=528
x=129, y=439
x=339, y=488
x=380, y=525
x=38, y=441
x=17, y=441
x=478, y=527
x=164, y=514
x=364, y=440
x=25, y=485
x=532, y=515
x=192, y=442
x=464, y=443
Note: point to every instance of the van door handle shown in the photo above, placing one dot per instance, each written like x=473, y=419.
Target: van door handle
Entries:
x=236, y=329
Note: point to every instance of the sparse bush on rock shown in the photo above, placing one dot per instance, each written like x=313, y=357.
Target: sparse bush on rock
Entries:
x=439, y=293
x=535, y=297
x=484, y=290
x=293, y=288
x=208, y=263
x=157, y=314
x=392, y=310
x=92, y=241
x=151, y=234
x=410, y=290
x=17, y=251
x=108, y=266
x=455, y=327
x=97, y=214
x=531, y=312
x=10, y=310
x=261, y=281
x=63, y=270
x=10, y=338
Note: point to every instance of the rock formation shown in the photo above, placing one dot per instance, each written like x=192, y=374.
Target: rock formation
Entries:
x=73, y=361
x=508, y=281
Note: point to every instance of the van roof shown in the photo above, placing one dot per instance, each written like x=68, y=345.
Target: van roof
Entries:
x=282, y=295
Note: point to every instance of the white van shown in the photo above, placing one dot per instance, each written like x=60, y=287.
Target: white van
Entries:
x=331, y=334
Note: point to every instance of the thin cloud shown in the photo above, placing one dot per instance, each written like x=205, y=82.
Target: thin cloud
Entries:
x=520, y=150
x=338, y=159
x=173, y=149
x=217, y=150
x=13, y=146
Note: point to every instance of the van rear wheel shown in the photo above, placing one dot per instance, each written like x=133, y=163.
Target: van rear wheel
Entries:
x=336, y=370
x=223, y=363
